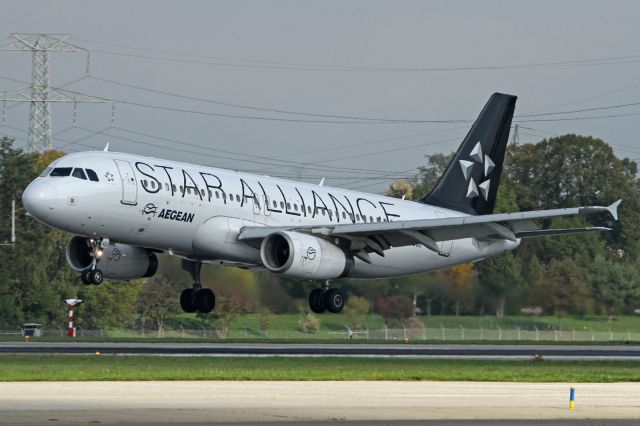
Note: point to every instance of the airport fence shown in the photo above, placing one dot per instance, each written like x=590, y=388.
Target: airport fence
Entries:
x=428, y=334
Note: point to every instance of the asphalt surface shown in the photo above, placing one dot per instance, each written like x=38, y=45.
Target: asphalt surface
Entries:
x=568, y=352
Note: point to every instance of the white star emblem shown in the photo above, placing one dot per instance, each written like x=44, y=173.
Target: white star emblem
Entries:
x=466, y=168
x=472, y=190
x=484, y=188
x=476, y=153
x=488, y=165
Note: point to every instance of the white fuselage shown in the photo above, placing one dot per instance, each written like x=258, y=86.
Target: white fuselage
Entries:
x=197, y=212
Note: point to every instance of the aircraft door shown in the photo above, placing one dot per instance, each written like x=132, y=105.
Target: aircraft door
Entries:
x=129, y=185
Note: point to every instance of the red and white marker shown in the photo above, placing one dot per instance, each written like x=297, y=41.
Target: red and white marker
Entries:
x=71, y=332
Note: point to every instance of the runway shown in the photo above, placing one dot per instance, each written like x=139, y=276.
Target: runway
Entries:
x=439, y=351
x=317, y=403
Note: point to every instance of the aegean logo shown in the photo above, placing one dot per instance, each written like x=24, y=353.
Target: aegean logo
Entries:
x=311, y=253
x=149, y=209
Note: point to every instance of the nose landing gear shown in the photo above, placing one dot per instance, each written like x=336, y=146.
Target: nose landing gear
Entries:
x=326, y=299
x=93, y=275
x=196, y=298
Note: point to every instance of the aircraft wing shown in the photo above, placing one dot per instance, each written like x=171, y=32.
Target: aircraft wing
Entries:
x=379, y=236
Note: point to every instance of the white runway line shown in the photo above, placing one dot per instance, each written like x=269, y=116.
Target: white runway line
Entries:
x=251, y=401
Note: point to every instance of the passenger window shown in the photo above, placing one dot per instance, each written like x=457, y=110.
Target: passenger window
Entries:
x=230, y=197
x=174, y=188
x=61, y=172
x=202, y=192
x=217, y=194
x=344, y=215
x=92, y=175
x=166, y=187
x=181, y=189
x=281, y=205
x=275, y=204
x=153, y=184
x=45, y=172
x=210, y=194
x=309, y=209
x=237, y=198
x=295, y=207
x=79, y=173
x=144, y=183
x=288, y=206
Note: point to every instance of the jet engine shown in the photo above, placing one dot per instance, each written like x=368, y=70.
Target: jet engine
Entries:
x=117, y=261
x=299, y=255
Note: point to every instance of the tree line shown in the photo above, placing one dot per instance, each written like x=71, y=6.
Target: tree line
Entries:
x=592, y=273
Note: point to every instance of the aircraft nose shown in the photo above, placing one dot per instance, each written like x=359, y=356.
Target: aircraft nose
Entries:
x=39, y=199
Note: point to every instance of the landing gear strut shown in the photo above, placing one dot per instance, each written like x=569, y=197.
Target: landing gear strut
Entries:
x=326, y=298
x=93, y=275
x=196, y=298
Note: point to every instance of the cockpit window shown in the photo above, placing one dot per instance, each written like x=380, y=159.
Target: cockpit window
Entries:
x=79, y=173
x=45, y=172
x=92, y=175
x=61, y=171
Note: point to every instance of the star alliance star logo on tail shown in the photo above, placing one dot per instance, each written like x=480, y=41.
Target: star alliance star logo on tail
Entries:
x=467, y=167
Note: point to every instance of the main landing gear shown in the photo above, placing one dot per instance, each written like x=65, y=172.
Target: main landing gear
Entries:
x=196, y=298
x=326, y=298
x=93, y=275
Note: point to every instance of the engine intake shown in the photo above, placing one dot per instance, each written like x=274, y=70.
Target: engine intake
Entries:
x=299, y=255
x=118, y=261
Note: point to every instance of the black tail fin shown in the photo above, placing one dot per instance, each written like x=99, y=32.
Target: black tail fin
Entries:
x=470, y=182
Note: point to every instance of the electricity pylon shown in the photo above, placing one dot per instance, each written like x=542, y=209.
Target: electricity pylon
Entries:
x=40, y=94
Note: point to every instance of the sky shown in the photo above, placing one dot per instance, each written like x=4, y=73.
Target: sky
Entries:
x=363, y=89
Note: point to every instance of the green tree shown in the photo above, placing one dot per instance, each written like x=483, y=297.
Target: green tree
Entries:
x=614, y=283
x=356, y=310
x=501, y=278
x=157, y=300
x=563, y=290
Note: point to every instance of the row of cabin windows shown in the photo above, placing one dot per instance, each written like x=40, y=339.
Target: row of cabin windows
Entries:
x=70, y=171
x=319, y=210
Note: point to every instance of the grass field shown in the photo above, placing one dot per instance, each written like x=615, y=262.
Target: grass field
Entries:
x=333, y=328
x=83, y=368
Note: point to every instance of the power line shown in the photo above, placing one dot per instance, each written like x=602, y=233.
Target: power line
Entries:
x=250, y=64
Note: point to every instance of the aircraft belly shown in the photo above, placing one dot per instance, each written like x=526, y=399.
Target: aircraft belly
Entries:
x=409, y=260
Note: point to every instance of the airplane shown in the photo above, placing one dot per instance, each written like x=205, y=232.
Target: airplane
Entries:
x=123, y=209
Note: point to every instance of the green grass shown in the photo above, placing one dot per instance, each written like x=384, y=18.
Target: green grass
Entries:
x=75, y=367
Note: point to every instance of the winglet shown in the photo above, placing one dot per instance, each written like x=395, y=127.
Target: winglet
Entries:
x=106, y=147
x=613, y=209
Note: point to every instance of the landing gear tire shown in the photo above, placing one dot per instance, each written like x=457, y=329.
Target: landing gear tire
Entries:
x=84, y=277
x=95, y=276
x=334, y=301
x=186, y=301
x=316, y=301
x=205, y=300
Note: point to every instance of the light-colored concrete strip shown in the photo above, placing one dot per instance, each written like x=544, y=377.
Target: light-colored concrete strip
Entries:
x=225, y=402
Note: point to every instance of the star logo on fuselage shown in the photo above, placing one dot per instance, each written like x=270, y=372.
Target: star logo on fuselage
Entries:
x=476, y=157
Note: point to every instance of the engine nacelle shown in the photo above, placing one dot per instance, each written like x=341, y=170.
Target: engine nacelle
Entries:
x=117, y=262
x=299, y=255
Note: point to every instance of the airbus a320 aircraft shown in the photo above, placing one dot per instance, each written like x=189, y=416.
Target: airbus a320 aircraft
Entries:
x=122, y=209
